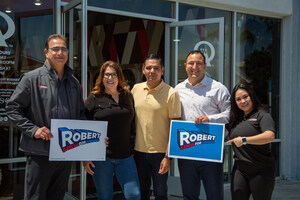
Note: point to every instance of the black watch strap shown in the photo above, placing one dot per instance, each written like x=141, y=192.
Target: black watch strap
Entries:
x=167, y=157
x=244, y=140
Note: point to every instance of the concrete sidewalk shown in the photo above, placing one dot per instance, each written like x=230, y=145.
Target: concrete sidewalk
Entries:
x=287, y=190
x=284, y=189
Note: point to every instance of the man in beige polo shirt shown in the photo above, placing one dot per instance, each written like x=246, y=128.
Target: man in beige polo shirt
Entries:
x=156, y=103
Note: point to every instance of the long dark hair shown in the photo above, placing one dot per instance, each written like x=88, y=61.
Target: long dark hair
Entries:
x=236, y=114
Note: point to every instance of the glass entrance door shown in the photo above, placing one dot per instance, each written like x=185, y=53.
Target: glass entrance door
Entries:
x=74, y=20
x=206, y=35
x=126, y=39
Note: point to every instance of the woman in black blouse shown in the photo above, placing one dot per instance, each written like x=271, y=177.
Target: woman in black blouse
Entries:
x=251, y=130
x=110, y=101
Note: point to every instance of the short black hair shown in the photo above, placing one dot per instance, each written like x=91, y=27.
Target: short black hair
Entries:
x=196, y=52
x=154, y=57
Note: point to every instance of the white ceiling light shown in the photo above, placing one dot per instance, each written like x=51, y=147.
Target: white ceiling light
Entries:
x=8, y=10
x=37, y=2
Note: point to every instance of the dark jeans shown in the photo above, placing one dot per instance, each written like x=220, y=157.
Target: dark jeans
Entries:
x=192, y=172
x=259, y=183
x=148, y=165
x=46, y=179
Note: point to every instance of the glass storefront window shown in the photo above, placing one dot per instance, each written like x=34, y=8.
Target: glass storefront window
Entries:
x=9, y=141
x=33, y=41
x=12, y=181
x=125, y=40
x=258, y=58
x=23, y=32
x=150, y=7
x=24, y=28
x=258, y=62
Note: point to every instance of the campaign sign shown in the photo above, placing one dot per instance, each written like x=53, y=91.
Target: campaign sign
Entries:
x=192, y=141
x=78, y=140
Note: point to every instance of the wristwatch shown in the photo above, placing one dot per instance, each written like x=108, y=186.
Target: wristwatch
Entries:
x=244, y=140
x=167, y=157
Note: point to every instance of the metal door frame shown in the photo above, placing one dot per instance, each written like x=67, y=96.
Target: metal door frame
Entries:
x=219, y=21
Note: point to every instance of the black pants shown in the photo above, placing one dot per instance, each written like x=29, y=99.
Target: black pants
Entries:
x=191, y=174
x=259, y=183
x=148, y=165
x=46, y=179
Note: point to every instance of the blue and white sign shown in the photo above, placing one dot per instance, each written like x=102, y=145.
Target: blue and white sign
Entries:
x=196, y=141
x=78, y=140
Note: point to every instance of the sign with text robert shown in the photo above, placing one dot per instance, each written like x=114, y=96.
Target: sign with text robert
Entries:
x=196, y=141
x=78, y=140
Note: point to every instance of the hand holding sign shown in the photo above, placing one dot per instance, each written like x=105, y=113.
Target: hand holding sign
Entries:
x=203, y=141
x=78, y=140
x=43, y=133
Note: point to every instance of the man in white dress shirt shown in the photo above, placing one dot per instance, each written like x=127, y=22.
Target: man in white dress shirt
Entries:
x=202, y=100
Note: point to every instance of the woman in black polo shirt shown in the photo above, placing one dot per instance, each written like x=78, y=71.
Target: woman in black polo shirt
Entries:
x=251, y=130
x=110, y=101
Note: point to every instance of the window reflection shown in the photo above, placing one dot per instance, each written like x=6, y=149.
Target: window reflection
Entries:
x=12, y=181
x=9, y=142
x=21, y=51
x=33, y=41
x=29, y=26
x=257, y=58
x=258, y=62
x=206, y=38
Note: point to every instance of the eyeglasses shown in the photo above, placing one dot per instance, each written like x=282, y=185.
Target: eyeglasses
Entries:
x=57, y=49
x=113, y=75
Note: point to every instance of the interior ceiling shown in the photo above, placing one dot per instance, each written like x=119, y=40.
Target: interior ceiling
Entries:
x=20, y=6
